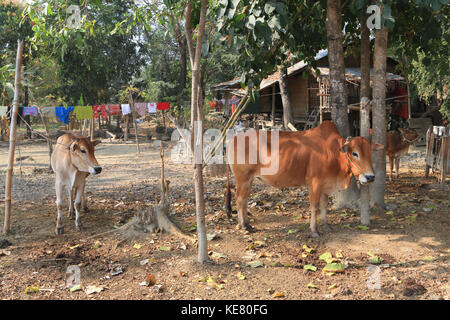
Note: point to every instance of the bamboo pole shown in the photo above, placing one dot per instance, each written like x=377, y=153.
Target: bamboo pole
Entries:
x=242, y=105
x=12, y=139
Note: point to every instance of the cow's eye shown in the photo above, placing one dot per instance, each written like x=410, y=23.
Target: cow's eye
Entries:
x=355, y=154
x=83, y=151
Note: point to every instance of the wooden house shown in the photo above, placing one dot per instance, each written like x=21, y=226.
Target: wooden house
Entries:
x=309, y=93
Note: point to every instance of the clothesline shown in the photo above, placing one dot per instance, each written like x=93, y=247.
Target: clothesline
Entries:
x=87, y=112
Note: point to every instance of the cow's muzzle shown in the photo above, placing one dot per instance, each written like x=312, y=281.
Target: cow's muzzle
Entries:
x=370, y=177
x=98, y=170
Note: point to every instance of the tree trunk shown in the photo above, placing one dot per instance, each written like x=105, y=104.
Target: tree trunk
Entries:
x=28, y=117
x=49, y=143
x=377, y=188
x=285, y=97
x=183, y=71
x=338, y=94
x=197, y=125
x=12, y=140
x=133, y=112
x=364, y=112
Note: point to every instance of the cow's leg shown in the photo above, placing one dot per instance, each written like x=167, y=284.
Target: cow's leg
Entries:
x=59, y=202
x=397, y=166
x=72, y=192
x=78, y=197
x=314, y=201
x=243, y=188
x=323, y=212
x=391, y=165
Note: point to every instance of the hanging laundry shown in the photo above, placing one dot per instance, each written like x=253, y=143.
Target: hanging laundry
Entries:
x=83, y=112
x=63, y=113
x=151, y=107
x=48, y=111
x=141, y=108
x=99, y=108
x=3, y=111
x=125, y=109
x=162, y=106
x=30, y=111
x=212, y=103
x=114, y=108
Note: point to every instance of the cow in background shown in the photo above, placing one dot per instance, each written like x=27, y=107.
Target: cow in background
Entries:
x=73, y=160
x=397, y=145
x=319, y=158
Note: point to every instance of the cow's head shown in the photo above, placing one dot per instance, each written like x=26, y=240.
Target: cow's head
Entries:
x=358, y=155
x=409, y=135
x=82, y=154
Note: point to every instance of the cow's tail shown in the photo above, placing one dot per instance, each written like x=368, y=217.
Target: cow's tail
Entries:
x=228, y=193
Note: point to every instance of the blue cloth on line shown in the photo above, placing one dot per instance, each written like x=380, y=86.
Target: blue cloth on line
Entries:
x=63, y=113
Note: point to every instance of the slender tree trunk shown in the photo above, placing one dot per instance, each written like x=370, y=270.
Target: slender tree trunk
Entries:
x=49, y=143
x=133, y=112
x=377, y=188
x=12, y=140
x=338, y=94
x=285, y=97
x=197, y=125
x=183, y=71
x=28, y=117
x=364, y=112
x=92, y=129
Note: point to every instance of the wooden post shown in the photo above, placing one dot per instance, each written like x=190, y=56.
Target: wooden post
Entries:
x=12, y=139
x=444, y=156
x=92, y=129
x=127, y=121
x=273, y=105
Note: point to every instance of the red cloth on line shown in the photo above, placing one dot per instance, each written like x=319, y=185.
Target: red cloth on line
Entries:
x=101, y=108
x=162, y=106
x=212, y=104
x=114, y=108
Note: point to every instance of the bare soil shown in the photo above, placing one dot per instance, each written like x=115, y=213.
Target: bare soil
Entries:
x=412, y=239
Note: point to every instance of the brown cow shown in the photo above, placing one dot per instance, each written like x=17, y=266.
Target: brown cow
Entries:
x=4, y=128
x=73, y=160
x=397, y=145
x=318, y=158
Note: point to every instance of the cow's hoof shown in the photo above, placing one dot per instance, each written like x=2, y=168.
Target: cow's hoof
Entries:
x=71, y=215
x=59, y=230
x=326, y=227
x=315, y=235
x=85, y=209
x=79, y=227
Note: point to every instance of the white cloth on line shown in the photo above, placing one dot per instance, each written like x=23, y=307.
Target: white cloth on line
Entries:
x=151, y=106
x=125, y=109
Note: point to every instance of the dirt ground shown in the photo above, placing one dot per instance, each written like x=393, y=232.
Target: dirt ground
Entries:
x=403, y=255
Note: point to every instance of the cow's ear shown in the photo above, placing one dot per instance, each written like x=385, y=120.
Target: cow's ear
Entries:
x=96, y=142
x=377, y=146
x=346, y=144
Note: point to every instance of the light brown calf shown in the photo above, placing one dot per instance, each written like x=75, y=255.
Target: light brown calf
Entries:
x=73, y=160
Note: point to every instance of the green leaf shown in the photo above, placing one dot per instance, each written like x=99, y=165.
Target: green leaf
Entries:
x=362, y=227
x=334, y=267
x=255, y=264
x=292, y=231
x=326, y=256
x=164, y=248
x=309, y=267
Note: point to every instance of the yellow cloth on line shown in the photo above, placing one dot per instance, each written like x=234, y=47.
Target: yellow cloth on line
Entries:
x=83, y=112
